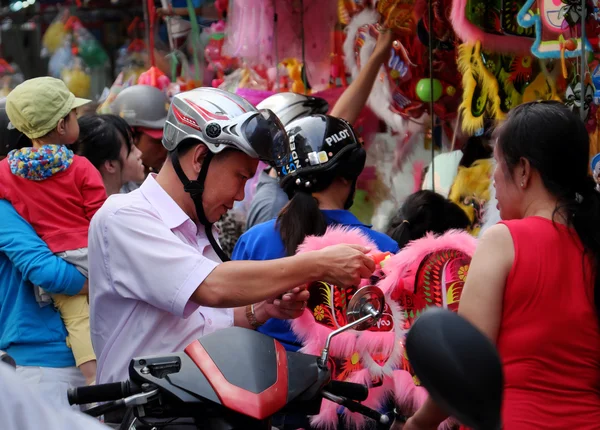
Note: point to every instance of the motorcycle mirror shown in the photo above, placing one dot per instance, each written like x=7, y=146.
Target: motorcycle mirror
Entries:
x=459, y=366
x=5, y=358
x=365, y=308
x=368, y=301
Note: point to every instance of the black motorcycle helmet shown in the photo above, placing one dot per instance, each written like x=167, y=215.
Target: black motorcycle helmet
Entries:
x=322, y=148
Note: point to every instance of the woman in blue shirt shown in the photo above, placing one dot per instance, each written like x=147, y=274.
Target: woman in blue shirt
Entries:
x=34, y=336
x=320, y=179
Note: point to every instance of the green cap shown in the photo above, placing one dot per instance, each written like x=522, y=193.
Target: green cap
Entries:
x=37, y=105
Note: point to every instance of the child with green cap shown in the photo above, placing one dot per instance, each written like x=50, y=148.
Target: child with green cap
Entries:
x=56, y=191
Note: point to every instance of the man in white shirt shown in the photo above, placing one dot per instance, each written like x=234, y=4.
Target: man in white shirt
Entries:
x=156, y=278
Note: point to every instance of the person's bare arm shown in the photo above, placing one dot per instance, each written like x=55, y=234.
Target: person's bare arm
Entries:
x=239, y=283
x=482, y=296
x=480, y=303
x=353, y=100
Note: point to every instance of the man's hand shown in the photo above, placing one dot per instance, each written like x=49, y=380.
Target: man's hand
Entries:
x=290, y=306
x=344, y=265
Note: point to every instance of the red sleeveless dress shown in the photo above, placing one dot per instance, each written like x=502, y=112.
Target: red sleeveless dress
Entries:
x=549, y=338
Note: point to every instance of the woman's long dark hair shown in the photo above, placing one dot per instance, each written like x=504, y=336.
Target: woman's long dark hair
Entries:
x=302, y=217
x=424, y=212
x=555, y=142
x=100, y=138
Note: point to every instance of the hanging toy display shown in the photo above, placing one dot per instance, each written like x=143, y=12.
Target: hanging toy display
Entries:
x=131, y=58
x=77, y=78
x=218, y=63
x=10, y=76
x=397, y=15
x=62, y=57
x=547, y=85
x=154, y=77
x=88, y=47
x=556, y=32
x=470, y=191
x=338, y=68
x=348, y=8
x=55, y=34
x=486, y=27
x=573, y=100
x=294, y=69
x=508, y=19
x=595, y=167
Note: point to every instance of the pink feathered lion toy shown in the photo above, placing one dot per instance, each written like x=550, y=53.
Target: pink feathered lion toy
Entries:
x=428, y=272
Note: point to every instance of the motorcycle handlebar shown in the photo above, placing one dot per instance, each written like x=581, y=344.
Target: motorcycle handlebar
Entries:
x=101, y=393
x=349, y=390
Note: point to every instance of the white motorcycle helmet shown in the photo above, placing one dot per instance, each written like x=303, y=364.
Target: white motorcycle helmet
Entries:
x=291, y=106
x=221, y=120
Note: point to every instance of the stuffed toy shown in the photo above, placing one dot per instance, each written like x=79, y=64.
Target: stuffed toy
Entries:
x=427, y=272
x=470, y=191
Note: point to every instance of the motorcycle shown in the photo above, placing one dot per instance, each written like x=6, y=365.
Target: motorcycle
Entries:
x=210, y=385
x=455, y=362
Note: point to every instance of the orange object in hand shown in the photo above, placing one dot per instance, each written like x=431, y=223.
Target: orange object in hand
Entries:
x=379, y=257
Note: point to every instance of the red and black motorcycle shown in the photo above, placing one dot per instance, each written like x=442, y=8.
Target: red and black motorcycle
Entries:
x=234, y=379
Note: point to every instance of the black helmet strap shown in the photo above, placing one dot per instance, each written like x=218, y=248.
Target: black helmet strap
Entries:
x=195, y=188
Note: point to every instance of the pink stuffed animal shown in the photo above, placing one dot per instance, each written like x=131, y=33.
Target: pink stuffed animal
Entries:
x=428, y=272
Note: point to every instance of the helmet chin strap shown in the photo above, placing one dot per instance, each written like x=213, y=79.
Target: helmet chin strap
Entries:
x=196, y=188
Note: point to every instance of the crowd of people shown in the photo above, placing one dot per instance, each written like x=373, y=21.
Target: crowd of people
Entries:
x=110, y=243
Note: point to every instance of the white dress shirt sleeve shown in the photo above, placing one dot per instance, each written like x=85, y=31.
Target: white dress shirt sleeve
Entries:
x=148, y=262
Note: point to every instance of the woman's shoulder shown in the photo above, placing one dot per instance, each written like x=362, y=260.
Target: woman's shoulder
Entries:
x=263, y=230
x=261, y=242
x=530, y=225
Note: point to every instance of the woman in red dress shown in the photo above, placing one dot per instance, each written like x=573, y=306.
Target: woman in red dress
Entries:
x=532, y=285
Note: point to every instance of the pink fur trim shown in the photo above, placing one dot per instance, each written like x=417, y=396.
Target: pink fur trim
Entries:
x=407, y=395
x=410, y=397
x=328, y=416
x=388, y=343
x=342, y=345
x=470, y=33
x=335, y=235
x=403, y=264
x=312, y=334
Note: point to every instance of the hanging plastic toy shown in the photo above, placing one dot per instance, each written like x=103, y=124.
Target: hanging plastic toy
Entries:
x=54, y=36
x=551, y=21
x=76, y=79
x=89, y=49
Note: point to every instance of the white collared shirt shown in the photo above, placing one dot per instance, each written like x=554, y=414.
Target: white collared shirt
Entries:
x=146, y=259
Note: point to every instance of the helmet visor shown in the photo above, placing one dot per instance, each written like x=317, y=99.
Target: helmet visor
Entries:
x=267, y=137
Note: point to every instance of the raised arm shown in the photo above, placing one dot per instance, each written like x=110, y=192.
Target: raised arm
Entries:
x=353, y=100
x=32, y=257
